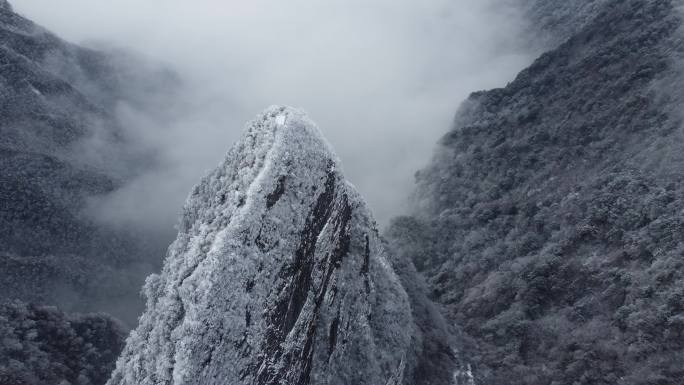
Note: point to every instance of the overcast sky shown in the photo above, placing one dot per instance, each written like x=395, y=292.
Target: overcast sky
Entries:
x=382, y=78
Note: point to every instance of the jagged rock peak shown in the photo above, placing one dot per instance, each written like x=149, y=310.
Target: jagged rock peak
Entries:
x=5, y=5
x=278, y=276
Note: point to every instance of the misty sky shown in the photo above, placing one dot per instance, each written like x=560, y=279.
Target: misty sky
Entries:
x=382, y=78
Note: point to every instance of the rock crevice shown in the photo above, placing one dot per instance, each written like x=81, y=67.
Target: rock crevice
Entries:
x=254, y=292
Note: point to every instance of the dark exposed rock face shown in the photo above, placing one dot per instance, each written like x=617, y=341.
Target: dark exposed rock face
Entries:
x=548, y=228
x=43, y=346
x=54, y=98
x=336, y=313
x=278, y=276
x=549, y=223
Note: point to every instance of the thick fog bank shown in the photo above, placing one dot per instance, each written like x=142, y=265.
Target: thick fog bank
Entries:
x=382, y=78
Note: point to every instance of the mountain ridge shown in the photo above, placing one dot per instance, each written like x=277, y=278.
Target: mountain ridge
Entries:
x=545, y=246
x=58, y=104
x=549, y=213
x=281, y=296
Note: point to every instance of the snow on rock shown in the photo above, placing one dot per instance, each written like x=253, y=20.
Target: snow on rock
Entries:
x=278, y=276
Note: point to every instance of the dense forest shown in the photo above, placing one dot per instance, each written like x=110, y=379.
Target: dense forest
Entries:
x=549, y=223
x=544, y=240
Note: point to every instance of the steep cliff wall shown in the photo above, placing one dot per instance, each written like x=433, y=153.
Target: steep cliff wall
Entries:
x=278, y=276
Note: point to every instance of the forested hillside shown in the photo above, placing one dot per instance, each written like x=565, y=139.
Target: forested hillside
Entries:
x=62, y=143
x=550, y=221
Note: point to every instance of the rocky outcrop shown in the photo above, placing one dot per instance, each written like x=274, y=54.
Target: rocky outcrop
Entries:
x=278, y=276
x=549, y=222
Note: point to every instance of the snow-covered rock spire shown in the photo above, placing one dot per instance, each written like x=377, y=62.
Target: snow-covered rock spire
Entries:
x=278, y=276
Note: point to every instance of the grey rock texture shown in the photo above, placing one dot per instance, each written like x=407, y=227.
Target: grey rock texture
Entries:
x=278, y=276
x=549, y=224
x=43, y=346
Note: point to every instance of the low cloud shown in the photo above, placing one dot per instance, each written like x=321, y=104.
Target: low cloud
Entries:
x=381, y=78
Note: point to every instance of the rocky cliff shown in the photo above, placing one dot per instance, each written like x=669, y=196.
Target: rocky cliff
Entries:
x=548, y=228
x=278, y=276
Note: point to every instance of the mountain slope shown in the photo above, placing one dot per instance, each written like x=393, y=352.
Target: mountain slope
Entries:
x=550, y=220
x=550, y=23
x=278, y=276
x=41, y=345
x=61, y=143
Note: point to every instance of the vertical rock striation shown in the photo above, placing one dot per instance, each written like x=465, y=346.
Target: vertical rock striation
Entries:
x=278, y=276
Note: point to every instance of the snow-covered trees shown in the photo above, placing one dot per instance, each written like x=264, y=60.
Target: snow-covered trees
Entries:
x=40, y=345
x=550, y=221
x=278, y=276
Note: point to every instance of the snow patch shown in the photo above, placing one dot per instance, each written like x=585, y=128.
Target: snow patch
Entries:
x=464, y=377
x=35, y=90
